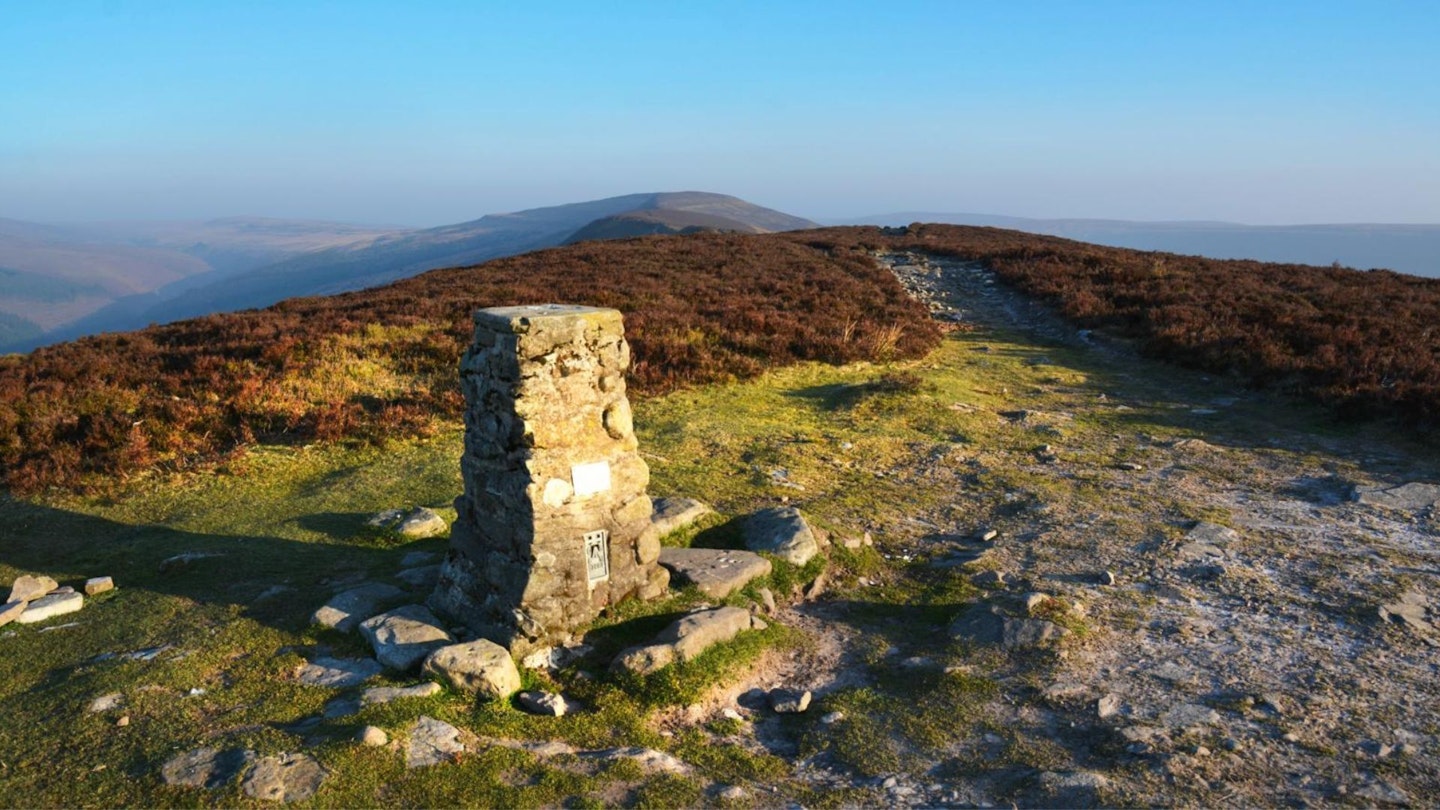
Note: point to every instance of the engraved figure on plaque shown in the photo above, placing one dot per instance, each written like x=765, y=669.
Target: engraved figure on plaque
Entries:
x=597, y=556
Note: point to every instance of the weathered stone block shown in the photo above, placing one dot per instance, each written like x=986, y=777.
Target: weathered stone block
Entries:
x=554, y=523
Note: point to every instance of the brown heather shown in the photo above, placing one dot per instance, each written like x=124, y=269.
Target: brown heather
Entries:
x=702, y=308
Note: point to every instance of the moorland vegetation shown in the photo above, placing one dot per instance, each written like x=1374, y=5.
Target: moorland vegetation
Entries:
x=699, y=308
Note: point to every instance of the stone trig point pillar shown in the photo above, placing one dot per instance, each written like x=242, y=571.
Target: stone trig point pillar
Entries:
x=554, y=525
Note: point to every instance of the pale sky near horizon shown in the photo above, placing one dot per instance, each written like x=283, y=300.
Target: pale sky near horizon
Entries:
x=425, y=113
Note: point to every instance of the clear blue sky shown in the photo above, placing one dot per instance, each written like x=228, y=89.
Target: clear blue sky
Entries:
x=427, y=113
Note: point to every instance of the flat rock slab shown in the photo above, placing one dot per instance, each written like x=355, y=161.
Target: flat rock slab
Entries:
x=986, y=624
x=384, y=694
x=417, y=523
x=205, y=767
x=432, y=742
x=405, y=636
x=49, y=606
x=673, y=514
x=180, y=562
x=716, y=572
x=416, y=558
x=28, y=588
x=1411, y=497
x=647, y=758
x=338, y=672
x=347, y=609
x=684, y=639
x=781, y=531
x=479, y=666
x=284, y=778
x=1187, y=715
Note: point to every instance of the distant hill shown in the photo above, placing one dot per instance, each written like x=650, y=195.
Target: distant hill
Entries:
x=665, y=221
x=63, y=281
x=389, y=258
x=1413, y=249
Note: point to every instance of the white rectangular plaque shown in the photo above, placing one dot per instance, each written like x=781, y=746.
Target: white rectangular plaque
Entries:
x=597, y=556
x=589, y=479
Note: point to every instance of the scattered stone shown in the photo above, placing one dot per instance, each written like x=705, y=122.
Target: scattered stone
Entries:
x=990, y=579
x=205, y=767
x=123, y=721
x=1108, y=706
x=757, y=623
x=50, y=606
x=789, y=701
x=985, y=624
x=673, y=514
x=403, y=637
x=413, y=559
x=685, y=639
x=1034, y=600
x=180, y=562
x=647, y=758
x=28, y=588
x=781, y=531
x=767, y=599
x=831, y=718
x=106, y=702
x=1129, y=466
x=284, y=778
x=96, y=585
x=417, y=523
x=1188, y=715
x=347, y=609
x=1411, y=497
x=1409, y=610
x=384, y=694
x=1379, y=791
x=373, y=736
x=337, y=673
x=986, y=535
x=421, y=577
x=1075, y=788
x=479, y=666
x=716, y=572
x=555, y=657
x=11, y=611
x=548, y=704
x=733, y=793
x=432, y=742
x=1107, y=578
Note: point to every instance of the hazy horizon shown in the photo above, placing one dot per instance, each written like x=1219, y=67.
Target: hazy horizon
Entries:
x=434, y=113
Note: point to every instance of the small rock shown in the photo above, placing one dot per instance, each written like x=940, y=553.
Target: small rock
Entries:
x=781, y=531
x=1035, y=599
x=180, y=562
x=789, y=701
x=123, y=721
x=990, y=579
x=672, y=514
x=1107, y=578
x=50, y=606
x=372, y=736
x=1188, y=715
x=417, y=523
x=543, y=703
x=432, y=742
x=733, y=793
x=757, y=623
x=831, y=718
x=684, y=639
x=106, y=702
x=730, y=714
x=337, y=672
x=29, y=588
x=1129, y=466
x=405, y=636
x=384, y=694
x=479, y=666
x=96, y=585
x=1108, y=706
x=205, y=767
x=767, y=599
x=986, y=535
x=1230, y=744
x=647, y=758
x=284, y=778
x=347, y=609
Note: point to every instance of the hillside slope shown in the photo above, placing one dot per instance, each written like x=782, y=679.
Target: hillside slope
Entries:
x=356, y=267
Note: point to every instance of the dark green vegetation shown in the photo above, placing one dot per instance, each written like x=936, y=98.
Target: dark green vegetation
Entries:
x=699, y=309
